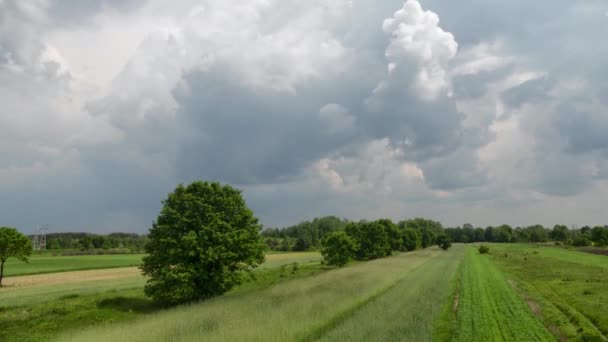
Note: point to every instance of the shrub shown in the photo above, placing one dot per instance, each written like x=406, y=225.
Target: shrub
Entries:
x=581, y=241
x=483, y=249
x=444, y=242
x=338, y=248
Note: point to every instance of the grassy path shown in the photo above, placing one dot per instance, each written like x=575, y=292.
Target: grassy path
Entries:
x=285, y=312
x=489, y=309
x=410, y=310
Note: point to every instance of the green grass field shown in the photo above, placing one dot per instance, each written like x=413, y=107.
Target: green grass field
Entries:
x=51, y=264
x=516, y=293
x=39, y=311
x=408, y=311
x=288, y=311
x=489, y=309
x=568, y=289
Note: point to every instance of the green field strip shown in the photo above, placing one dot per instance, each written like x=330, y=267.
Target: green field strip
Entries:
x=409, y=310
x=55, y=264
x=284, y=312
x=489, y=309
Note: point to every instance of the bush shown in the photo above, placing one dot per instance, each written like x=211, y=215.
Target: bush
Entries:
x=581, y=241
x=338, y=248
x=483, y=249
x=444, y=242
x=203, y=242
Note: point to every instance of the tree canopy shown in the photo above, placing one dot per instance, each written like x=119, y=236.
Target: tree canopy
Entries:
x=338, y=248
x=13, y=244
x=203, y=241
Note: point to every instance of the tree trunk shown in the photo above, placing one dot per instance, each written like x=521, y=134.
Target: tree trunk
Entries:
x=1, y=271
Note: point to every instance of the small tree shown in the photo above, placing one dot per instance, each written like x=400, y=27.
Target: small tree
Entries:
x=483, y=249
x=338, y=248
x=13, y=244
x=203, y=241
x=444, y=242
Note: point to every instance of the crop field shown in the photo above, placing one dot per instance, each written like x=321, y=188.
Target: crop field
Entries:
x=517, y=292
x=50, y=264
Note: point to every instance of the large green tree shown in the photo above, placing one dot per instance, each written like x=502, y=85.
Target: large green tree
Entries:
x=13, y=244
x=202, y=243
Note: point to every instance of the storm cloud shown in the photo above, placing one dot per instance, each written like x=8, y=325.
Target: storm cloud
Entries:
x=487, y=112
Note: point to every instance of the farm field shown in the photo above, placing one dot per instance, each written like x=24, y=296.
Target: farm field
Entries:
x=50, y=264
x=567, y=289
x=518, y=292
x=36, y=307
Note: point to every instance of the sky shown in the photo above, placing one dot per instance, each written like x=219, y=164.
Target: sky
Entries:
x=486, y=112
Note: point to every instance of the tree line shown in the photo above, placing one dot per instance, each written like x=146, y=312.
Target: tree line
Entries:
x=366, y=240
x=127, y=242
x=585, y=236
x=308, y=235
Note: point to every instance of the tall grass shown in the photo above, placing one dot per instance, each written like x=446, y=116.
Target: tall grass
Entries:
x=287, y=311
x=409, y=311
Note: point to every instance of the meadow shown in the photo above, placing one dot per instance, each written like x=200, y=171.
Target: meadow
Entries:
x=517, y=292
x=567, y=289
x=37, y=306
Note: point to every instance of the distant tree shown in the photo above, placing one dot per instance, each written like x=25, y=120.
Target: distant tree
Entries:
x=444, y=242
x=300, y=245
x=479, y=235
x=371, y=238
x=203, y=241
x=537, y=233
x=428, y=237
x=599, y=236
x=13, y=244
x=502, y=233
x=489, y=234
x=559, y=233
x=393, y=232
x=286, y=245
x=338, y=248
x=581, y=240
x=53, y=244
x=411, y=239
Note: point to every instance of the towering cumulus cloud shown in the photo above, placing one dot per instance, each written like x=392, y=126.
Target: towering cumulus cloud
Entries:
x=355, y=108
x=417, y=37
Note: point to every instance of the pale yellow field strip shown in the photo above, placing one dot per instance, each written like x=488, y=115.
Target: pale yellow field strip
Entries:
x=19, y=282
